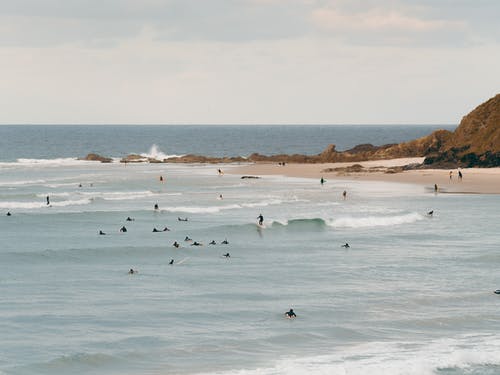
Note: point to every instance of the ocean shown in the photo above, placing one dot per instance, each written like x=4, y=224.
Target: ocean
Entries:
x=412, y=294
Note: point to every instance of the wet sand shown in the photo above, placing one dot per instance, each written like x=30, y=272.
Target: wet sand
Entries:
x=474, y=181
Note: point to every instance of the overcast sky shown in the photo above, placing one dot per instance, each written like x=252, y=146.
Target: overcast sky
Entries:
x=246, y=61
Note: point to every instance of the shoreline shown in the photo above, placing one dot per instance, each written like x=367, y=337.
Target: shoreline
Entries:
x=474, y=181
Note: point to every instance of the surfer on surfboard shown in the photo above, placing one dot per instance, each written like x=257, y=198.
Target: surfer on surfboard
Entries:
x=290, y=314
x=261, y=219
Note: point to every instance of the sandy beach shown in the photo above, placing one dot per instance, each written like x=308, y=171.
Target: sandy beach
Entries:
x=474, y=181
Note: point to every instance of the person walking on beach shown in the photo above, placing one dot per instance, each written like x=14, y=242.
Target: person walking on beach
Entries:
x=435, y=188
x=451, y=175
x=322, y=181
x=460, y=175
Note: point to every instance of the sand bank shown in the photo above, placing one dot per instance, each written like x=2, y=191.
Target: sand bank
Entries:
x=475, y=180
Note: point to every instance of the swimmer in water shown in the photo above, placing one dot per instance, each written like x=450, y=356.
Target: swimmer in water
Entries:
x=102, y=233
x=227, y=255
x=155, y=230
x=156, y=207
x=48, y=200
x=225, y=242
x=171, y=261
x=188, y=239
x=131, y=271
x=176, y=244
x=129, y=219
x=290, y=314
x=213, y=243
x=9, y=214
x=346, y=245
x=123, y=229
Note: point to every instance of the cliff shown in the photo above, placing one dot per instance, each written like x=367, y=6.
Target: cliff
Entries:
x=476, y=141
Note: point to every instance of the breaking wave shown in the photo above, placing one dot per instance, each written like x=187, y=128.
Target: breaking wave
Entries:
x=374, y=221
x=155, y=153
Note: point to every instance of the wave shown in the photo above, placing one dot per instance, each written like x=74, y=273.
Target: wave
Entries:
x=465, y=355
x=155, y=153
x=31, y=205
x=314, y=222
x=374, y=221
x=216, y=209
x=55, y=162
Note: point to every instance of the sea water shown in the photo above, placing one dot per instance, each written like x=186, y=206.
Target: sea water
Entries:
x=412, y=294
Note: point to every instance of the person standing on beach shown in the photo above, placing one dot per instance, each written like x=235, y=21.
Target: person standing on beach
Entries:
x=435, y=188
x=344, y=195
x=322, y=181
x=460, y=175
x=451, y=175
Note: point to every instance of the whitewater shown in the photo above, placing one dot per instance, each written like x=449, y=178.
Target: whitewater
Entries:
x=413, y=294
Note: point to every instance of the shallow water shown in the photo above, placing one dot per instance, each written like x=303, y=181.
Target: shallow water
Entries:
x=412, y=294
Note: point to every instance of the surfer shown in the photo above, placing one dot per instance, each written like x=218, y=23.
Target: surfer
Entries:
x=290, y=314
x=123, y=229
x=219, y=171
x=430, y=213
x=188, y=239
x=9, y=214
x=225, y=242
x=166, y=229
x=101, y=233
x=227, y=255
x=48, y=200
x=322, y=181
x=195, y=243
x=344, y=195
x=180, y=219
x=346, y=245
x=213, y=243
x=176, y=244
x=155, y=230
x=129, y=219
x=435, y=188
x=132, y=271
x=161, y=178
x=156, y=207
x=171, y=261
x=261, y=219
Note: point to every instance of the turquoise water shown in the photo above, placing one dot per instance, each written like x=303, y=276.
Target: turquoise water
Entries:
x=412, y=294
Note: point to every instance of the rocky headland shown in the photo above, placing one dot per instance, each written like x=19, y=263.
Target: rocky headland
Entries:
x=475, y=143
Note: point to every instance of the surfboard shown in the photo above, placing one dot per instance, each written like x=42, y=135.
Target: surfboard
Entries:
x=497, y=291
x=182, y=260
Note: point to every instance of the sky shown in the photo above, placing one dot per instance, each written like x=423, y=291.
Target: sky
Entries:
x=246, y=61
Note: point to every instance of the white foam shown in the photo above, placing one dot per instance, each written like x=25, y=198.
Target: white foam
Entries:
x=374, y=221
x=55, y=162
x=380, y=358
x=43, y=204
x=156, y=153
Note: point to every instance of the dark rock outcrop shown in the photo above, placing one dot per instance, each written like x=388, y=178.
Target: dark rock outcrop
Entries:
x=96, y=157
x=476, y=141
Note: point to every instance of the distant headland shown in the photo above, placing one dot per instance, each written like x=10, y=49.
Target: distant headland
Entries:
x=475, y=143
